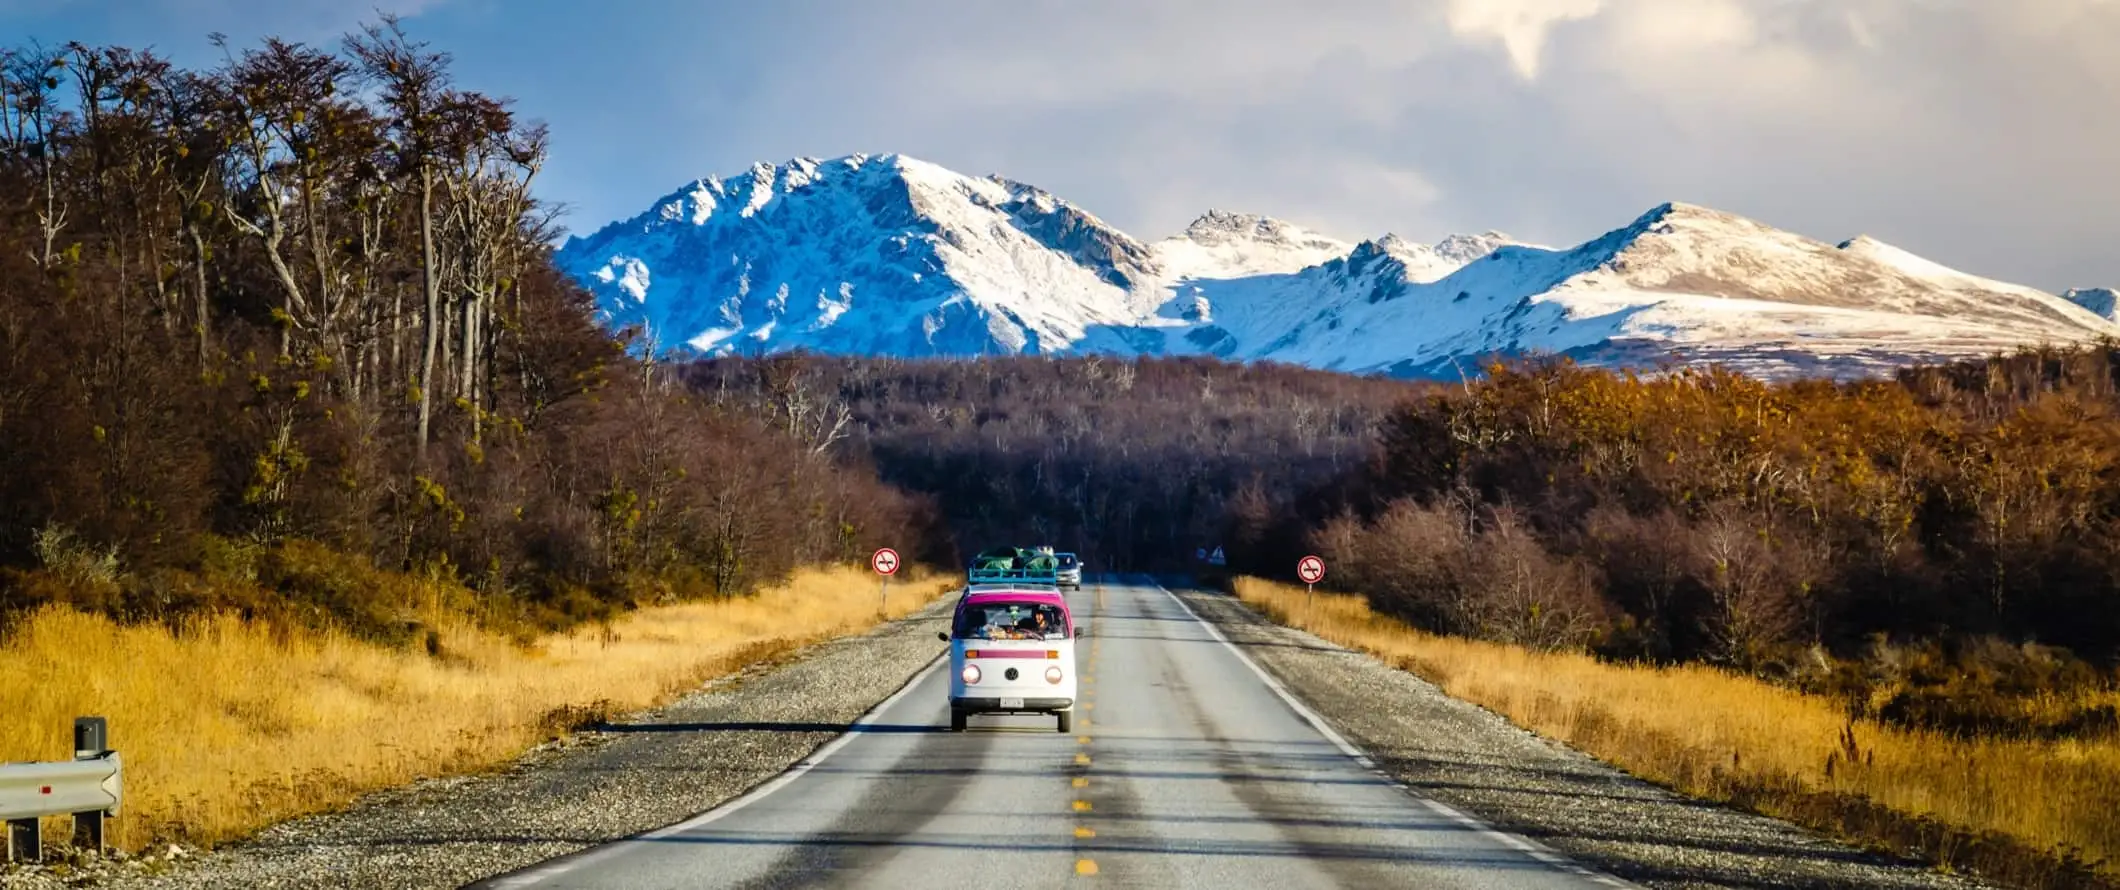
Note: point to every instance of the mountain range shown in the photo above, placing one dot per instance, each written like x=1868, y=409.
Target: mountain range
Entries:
x=891, y=255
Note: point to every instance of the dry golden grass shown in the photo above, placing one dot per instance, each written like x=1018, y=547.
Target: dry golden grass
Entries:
x=229, y=726
x=2009, y=808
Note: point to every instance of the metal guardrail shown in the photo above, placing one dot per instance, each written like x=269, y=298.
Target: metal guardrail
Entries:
x=90, y=787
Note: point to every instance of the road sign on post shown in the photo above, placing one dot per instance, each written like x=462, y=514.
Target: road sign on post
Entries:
x=1312, y=570
x=885, y=562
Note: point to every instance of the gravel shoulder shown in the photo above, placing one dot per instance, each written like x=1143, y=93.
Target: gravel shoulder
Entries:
x=653, y=769
x=1472, y=759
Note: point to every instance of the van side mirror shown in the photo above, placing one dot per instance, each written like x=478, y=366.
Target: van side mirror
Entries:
x=942, y=635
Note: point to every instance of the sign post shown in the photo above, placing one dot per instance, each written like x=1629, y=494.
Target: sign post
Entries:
x=1312, y=570
x=885, y=562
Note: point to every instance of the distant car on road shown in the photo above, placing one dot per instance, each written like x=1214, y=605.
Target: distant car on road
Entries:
x=1012, y=651
x=1069, y=574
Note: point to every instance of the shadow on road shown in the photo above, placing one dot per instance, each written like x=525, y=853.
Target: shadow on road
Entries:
x=1470, y=858
x=834, y=728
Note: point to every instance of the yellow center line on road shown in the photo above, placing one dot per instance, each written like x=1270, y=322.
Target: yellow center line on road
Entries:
x=1082, y=759
x=1085, y=866
x=1081, y=782
x=1084, y=831
x=1081, y=806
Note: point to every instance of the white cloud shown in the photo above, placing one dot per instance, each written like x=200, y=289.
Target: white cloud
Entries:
x=1520, y=26
x=1977, y=132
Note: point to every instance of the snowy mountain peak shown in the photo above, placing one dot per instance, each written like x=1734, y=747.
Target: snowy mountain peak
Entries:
x=1429, y=262
x=891, y=255
x=1217, y=225
x=1220, y=244
x=880, y=253
x=1462, y=249
x=1389, y=252
x=1223, y=227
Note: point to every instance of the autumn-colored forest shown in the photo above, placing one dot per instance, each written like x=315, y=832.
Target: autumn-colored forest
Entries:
x=1934, y=547
x=1937, y=548
x=271, y=329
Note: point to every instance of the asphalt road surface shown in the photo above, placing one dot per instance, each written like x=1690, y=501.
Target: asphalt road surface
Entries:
x=1188, y=767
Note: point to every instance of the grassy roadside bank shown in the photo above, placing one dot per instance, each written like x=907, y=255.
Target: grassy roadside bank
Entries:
x=2026, y=813
x=229, y=726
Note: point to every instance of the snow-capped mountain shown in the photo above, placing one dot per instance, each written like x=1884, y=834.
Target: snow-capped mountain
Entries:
x=886, y=255
x=890, y=255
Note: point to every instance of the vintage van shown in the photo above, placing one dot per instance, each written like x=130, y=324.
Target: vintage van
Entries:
x=1012, y=651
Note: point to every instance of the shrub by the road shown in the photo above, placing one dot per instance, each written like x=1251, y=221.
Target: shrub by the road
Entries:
x=2033, y=812
x=229, y=725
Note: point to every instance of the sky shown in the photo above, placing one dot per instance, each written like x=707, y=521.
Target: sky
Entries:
x=1984, y=134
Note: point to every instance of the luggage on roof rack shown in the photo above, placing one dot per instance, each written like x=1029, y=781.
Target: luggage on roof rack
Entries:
x=1004, y=564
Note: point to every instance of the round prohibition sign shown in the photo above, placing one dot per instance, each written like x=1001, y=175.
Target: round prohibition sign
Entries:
x=1311, y=569
x=885, y=561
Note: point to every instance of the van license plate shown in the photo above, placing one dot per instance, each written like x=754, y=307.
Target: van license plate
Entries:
x=1012, y=703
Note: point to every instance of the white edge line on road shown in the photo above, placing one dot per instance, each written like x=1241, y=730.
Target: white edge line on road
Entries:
x=556, y=867
x=1533, y=848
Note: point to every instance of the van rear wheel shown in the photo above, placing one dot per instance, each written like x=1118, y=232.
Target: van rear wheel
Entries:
x=1067, y=719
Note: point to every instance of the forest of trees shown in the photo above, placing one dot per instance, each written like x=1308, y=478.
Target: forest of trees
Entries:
x=1708, y=515
x=1953, y=533
x=1135, y=464
x=269, y=328
x=1955, y=525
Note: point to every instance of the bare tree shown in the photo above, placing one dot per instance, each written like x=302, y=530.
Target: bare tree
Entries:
x=32, y=123
x=488, y=186
x=299, y=140
x=415, y=86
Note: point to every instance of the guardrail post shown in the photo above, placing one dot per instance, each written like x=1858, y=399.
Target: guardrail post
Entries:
x=91, y=742
x=25, y=840
x=90, y=788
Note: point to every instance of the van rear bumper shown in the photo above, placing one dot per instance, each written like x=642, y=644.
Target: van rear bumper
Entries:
x=992, y=705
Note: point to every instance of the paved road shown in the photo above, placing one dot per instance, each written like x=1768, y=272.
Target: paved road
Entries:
x=1189, y=768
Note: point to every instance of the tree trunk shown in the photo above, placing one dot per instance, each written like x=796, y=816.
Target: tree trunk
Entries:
x=468, y=359
x=203, y=304
x=397, y=333
x=434, y=309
